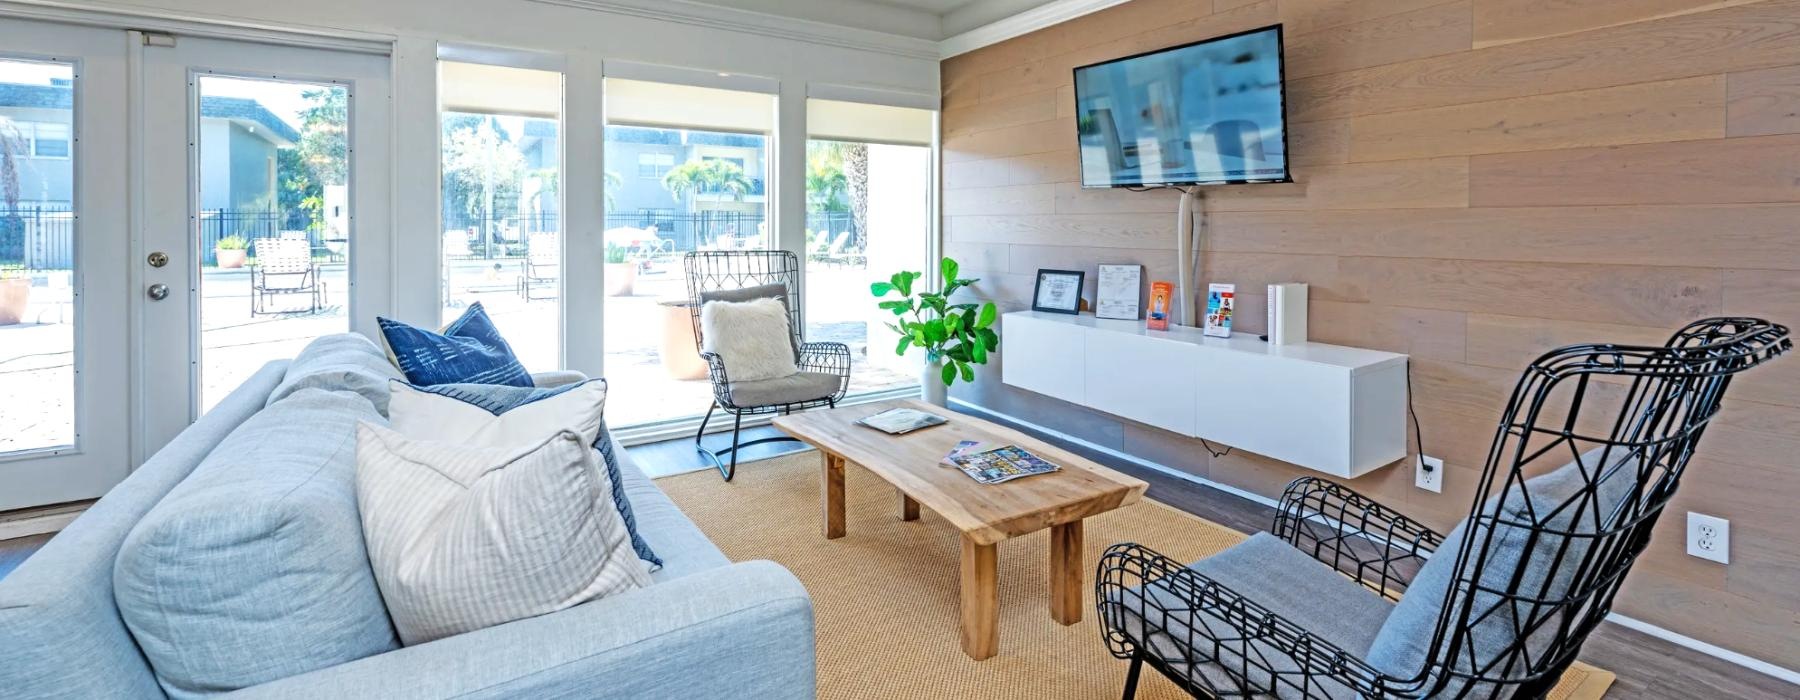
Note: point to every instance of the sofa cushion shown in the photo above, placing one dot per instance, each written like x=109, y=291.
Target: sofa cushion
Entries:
x=1403, y=646
x=470, y=349
x=253, y=568
x=678, y=541
x=465, y=537
x=340, y=362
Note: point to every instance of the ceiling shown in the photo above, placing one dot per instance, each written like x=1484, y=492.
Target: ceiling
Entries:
x=932, y=20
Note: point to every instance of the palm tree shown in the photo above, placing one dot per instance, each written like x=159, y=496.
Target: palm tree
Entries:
x=708, y=177
x=855, y=160
x=825, y=184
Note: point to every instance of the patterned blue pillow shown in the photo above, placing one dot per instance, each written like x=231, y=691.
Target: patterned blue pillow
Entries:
x=500, y=399
x=468, y=351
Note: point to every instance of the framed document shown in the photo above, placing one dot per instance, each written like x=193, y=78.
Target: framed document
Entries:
x=1121, y=292
x=1058, y=291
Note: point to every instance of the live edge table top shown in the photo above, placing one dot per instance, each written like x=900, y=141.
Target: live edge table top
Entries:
x=985, y=513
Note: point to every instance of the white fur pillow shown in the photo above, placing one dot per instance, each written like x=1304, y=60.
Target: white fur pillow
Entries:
x=750, y=336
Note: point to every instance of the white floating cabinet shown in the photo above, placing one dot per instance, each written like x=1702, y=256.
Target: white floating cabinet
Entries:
x=1334, y=409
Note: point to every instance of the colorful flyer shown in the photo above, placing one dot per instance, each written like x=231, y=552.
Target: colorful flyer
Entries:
x=1220, y=302
x=1162, y=294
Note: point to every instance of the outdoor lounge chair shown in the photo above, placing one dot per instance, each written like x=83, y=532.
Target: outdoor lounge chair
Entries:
x=1498, y=608
x=744, y=275
x=541, y=263
x=284, y=266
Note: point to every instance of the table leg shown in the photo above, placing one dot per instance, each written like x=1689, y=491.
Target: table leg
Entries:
x=980, y=600
x=833, y=500
x=1065, y=573
x=909, y=508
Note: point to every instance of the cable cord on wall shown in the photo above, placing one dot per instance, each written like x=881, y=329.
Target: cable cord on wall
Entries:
x=1418, y=433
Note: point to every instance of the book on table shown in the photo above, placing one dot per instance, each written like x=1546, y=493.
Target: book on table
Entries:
x=993, y=466
x=900, y=421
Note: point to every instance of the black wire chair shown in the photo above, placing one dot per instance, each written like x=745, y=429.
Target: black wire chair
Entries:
x=1504, y=606
x=740, y=275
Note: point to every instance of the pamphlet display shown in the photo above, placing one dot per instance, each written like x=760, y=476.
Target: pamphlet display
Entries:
x=1162, y=294
x=1221, y=301
x=1121, y=292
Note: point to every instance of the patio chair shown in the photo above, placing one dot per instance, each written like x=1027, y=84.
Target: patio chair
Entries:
x=744, y=275
x=1499, y=607
x=284, y=266
x=543, y=258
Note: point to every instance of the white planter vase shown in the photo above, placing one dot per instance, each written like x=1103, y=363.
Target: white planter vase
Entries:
x=931, y=383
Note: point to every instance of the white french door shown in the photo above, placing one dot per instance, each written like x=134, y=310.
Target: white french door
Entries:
x=64, y=376
x=265, y=172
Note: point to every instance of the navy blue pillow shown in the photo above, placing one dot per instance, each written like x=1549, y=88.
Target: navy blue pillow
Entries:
x=469, y=351
x=500, y=399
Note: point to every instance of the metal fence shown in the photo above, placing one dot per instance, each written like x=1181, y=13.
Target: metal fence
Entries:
x=38, y=238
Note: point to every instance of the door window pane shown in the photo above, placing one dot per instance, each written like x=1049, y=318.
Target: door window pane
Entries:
x=273, y=224
x=37, y=256
x=502, y=225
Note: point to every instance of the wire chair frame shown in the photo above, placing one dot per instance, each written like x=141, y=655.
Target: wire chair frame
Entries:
x=1614, y=411
x=721, y=271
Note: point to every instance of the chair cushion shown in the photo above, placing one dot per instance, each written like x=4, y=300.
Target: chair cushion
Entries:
x=794, y=388
x=1403, y=646
x=762, y=291
x=340, y=362
x=253, y=568
x=753, y=338
x=1281, y=579
x=469, y=350
x=491, y=414
x=464, y=537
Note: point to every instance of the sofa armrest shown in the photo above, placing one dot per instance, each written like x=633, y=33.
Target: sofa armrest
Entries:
x=744, y=630
x=557, y=377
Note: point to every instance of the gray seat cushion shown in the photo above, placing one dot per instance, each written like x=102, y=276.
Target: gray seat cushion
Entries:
x=340, y=362
x=1402, y=647
x=253, y=568
x=1282, y=580
x=794, y=388
x=677, y=540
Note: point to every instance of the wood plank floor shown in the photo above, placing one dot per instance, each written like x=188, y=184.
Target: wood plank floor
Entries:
x=1647, y=667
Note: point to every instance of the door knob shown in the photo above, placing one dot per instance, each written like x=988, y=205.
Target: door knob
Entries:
x=158, y=291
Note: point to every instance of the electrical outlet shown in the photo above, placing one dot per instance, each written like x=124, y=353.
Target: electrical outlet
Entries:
x=1709, y=537
x=1428, y=473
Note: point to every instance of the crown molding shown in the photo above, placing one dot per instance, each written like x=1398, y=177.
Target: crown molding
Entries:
x=1021, y=24
x=741, y=21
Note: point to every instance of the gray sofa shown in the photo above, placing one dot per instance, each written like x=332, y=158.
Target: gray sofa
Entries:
x=707, y=627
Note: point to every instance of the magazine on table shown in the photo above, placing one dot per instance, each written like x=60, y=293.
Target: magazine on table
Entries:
x=900, y=421
x=992, y=466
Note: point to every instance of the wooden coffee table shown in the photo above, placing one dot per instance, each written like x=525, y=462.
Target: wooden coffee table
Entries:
x=986, y=514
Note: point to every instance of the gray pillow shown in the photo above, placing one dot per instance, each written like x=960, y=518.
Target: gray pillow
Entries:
x=761, y=291
x=1402, y=646
x=340, y=362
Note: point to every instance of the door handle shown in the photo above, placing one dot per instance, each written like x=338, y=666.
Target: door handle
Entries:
x=158, y=292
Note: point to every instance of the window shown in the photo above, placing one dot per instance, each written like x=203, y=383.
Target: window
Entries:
x=49, y=140
x=655, y=165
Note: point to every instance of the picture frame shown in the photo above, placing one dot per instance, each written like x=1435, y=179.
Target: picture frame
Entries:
x=1058, y=291
x=1120, y=292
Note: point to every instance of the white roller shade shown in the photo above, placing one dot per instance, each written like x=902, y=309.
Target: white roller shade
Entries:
x=854, y=121
x=483, y=89
x=640, y=103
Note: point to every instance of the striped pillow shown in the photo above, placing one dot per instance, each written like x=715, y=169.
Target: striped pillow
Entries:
x=470, y=349
x=462, y=538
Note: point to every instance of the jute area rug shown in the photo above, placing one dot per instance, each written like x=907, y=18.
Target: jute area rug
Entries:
x=885, y=595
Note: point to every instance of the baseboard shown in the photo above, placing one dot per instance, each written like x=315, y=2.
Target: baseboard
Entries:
x=40, y=521
x=1673, y=637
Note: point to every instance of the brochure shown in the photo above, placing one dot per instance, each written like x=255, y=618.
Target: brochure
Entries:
x=999, y=464
x=1220, y=303
x=1161, y=293
x=900, y=421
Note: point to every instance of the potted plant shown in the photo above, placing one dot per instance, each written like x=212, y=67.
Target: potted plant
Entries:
x=15, y=293
x=621, y=273
x=956, y=337
x=230, y=252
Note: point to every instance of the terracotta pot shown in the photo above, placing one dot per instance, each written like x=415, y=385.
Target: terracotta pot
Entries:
x=620, y=277
x=230, y=259
x=14, y=295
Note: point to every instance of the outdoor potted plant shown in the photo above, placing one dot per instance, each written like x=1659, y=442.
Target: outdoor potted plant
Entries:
x=230, y=252
x=956, y=337
x=15, y=293
x=621, y=273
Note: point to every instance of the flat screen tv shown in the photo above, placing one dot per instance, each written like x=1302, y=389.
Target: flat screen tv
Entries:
x=1208, y=113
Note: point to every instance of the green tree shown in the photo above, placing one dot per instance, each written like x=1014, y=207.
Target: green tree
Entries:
x=324, y=128
x=298, y=183
x=854, y=158
x=708, y=177
x=825, y=181
x=12, y=226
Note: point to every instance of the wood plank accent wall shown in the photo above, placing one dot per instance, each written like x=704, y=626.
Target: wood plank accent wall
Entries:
x=1478, y=181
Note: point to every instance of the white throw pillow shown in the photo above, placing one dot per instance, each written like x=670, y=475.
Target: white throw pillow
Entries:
x=425, y=415
x=750, y=336
x=463, y=538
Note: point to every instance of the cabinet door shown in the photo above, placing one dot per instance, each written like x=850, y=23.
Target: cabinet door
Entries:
x=1148, y=380
x=1044, y=357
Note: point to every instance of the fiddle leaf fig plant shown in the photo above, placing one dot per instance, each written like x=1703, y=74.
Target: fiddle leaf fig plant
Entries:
x=959, y=336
